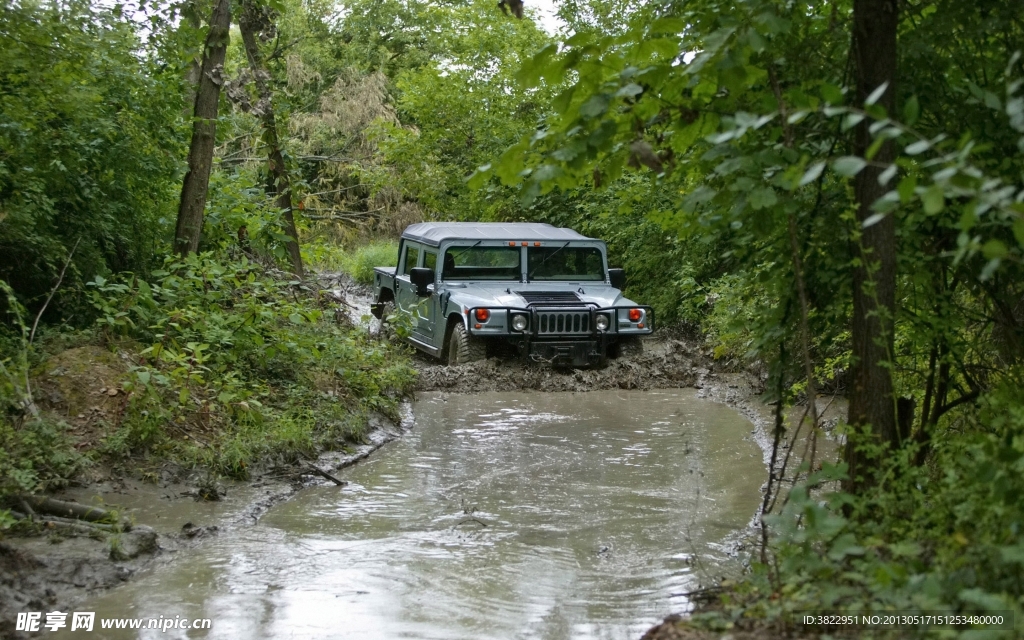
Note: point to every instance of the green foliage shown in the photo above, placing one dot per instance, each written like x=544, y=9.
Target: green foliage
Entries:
x=89, y=143
x=244, y=366
x=946, y=537
x=35, y=451
x=359, y=262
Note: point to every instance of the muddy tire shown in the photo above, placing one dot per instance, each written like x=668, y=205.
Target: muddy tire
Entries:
x=386, y=331
x=628, y=348
x=464, y=348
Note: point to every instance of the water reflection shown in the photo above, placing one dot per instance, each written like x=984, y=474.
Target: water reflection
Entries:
x=503, y=515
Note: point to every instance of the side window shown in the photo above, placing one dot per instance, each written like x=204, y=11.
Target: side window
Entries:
x=412, y=254
x=430, y=262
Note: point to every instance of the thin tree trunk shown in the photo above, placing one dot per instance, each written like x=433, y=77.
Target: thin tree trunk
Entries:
x=204, y=132
x=279, y=183
x=874, y=277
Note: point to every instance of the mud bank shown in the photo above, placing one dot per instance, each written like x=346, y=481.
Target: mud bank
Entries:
x=55, y=569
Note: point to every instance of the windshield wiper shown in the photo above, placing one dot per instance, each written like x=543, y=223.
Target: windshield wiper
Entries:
x=455, y=255
x=529, y=275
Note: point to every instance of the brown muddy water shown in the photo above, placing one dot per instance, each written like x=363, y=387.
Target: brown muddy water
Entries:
x=499, y=515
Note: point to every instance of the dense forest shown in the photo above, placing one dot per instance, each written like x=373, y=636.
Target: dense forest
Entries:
x=831, y=192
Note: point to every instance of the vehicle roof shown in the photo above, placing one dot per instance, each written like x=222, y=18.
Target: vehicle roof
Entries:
x=434, y=233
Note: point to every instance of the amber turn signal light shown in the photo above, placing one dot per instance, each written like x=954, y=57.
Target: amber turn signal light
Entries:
x=635, y=315
x=482, y=315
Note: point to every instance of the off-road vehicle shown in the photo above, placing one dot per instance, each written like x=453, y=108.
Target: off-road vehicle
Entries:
x=544, y=291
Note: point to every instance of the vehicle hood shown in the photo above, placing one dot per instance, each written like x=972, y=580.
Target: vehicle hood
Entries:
x=508, y=294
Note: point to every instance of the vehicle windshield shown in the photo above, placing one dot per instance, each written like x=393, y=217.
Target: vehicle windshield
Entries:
x=481, y=263
x=564, y=263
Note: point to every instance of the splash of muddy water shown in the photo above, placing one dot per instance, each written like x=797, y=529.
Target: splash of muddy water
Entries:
x=500, y=515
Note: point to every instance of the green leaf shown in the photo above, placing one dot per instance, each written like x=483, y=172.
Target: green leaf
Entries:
x=812, y=173
x=1018, y=231
x=849, y=166
x=667, y=25
x=886, y=176
x=876, y=95
x=831, y=93
x=852, y=120
x=762, y=198
x=907, y=187
x=630, y=90
x=537, y=66
x=872, y=220
x=911, y=111
x=594, y=106
x=933, y=199
x=917, y=147
x=994, y=250
x=295, y=318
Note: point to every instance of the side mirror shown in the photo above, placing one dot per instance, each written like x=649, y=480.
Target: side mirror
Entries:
x=421, y=277
x=617, y=278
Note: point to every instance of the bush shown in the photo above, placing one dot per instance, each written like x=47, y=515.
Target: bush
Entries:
x=943, y=537
x=245, y=366
x=35, y=451
x=360, y=263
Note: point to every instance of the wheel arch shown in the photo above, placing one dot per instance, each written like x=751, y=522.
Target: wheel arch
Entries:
x=449, y=324
x=385, y=296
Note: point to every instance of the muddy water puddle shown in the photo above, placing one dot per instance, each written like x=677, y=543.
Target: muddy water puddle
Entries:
x=499, y=515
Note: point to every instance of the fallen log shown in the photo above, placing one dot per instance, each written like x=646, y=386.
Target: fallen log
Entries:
x=64, y=509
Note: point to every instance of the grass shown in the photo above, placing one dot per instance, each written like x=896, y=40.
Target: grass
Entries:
x=357, y=262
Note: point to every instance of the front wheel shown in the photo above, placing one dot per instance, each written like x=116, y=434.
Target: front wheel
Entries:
x=385, y=330
x=630, y=347
x=464, y=348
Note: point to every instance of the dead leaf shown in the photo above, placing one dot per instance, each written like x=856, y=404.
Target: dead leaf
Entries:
x=111, y=392
x=642, y=153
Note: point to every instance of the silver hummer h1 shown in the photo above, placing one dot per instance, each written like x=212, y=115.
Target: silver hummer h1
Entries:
x=546, y=291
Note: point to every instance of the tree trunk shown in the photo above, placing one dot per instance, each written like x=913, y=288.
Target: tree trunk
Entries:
x=278, y=182
x=204, y=132
x=874, y=276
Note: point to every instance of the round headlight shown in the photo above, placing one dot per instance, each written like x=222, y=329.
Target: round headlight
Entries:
x=601, y=322
x=519, y=322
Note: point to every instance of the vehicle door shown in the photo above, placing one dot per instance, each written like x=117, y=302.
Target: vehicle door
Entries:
x=428, y=307
x=405, y=290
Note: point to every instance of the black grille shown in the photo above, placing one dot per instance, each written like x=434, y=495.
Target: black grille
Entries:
x=561, y=322
x=552, y=297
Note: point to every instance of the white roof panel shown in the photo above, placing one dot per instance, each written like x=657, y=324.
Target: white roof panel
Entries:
x=434, y=233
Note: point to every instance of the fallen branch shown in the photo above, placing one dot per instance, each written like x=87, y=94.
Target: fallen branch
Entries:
x=61, y=508
x=471, y=519
x=324, y=474
x=60, y=279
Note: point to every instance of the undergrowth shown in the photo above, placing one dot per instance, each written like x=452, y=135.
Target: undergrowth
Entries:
x=36, y=452
x=945, y=537
x=357, y=262
x=232, y=367
x=240, y=367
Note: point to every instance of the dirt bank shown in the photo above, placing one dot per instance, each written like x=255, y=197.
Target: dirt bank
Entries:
x=47, y=569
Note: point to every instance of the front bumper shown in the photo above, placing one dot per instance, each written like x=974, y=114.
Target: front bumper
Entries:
x=563, y=335
x=567, y=353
